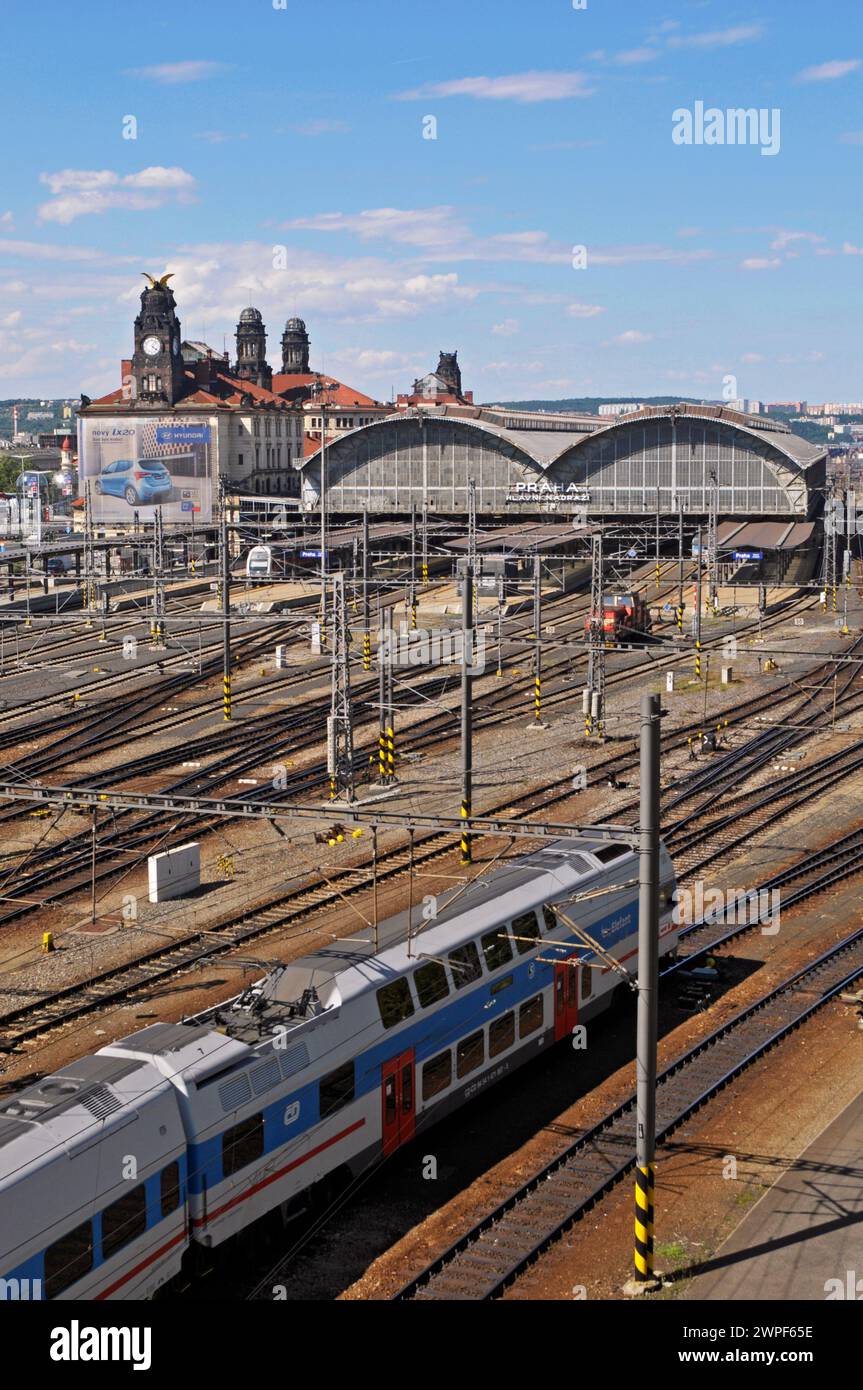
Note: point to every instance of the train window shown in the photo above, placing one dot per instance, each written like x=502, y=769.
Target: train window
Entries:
x=501, y=1034
x=68, y=1259
x=170, y=1188
x=395, y=1003
x=437, y=1074
x=525, y=929
x=586, y=981
x=550, y=918
x=465, y=966
x=470, y=1053
x=431, y=983
x=496, y=948
x=124, y=1220
x=605, y=853
x=337, y=1089
x=666, y=892
x=242, y=1144
x=530, y=1016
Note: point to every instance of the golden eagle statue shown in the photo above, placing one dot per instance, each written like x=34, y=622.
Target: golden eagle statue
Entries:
x=161, y=283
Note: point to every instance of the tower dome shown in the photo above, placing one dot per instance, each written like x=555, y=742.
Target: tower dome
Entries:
x=295, y=348
x=252, y=364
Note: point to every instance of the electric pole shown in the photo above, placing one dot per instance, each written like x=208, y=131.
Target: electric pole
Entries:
x=698, y=561
x=648, y=978
x=226, y=603
x=593, y=699
x=340, y=734
x=680, y=601
x=367, y=636
x=537, y=641
x=466, y=714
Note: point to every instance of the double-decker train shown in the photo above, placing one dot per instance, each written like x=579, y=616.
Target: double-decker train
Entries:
x=183, y=1134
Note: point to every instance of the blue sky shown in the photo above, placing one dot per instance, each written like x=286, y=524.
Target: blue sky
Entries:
x=261, y=127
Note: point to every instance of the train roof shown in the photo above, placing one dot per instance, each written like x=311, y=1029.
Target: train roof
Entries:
x=69, y=1108
x=352, y=966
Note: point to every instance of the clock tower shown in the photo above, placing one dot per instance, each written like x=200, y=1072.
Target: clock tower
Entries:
x=157, y=363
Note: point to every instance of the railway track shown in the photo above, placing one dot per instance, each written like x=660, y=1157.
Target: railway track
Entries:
x=33, y=1018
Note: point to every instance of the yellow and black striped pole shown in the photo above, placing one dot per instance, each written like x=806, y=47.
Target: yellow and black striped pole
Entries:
x=391, y=753
x=382, y=755
x=367, y=651
x=425, y=572
x=697, y=659
x=466, y=853
x=644, y=1183
x=226, y=697
x=680, y=619
x=537, y=700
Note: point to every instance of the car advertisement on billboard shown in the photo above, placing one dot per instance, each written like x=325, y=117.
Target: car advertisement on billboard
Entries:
x=139, y=465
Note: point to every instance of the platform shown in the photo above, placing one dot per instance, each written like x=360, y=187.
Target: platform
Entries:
x=806, y=1231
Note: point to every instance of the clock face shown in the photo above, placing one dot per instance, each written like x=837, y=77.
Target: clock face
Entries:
x=152, y=346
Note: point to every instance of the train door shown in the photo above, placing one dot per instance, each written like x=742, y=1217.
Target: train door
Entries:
x=565, y=997
x=398, y=1099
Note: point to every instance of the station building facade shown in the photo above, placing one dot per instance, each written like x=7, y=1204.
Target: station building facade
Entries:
x=664, y=457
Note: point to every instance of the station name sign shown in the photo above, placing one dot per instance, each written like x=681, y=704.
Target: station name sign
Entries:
x=549, y=492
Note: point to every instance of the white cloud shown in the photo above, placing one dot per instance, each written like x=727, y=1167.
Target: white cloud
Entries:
x=849, y=249
x=219, y=137
x=828, y=72
x=585, y=311
x=852, y=137
x=192, y=70
x=632, y=338
x=215, y=281
x=718, y=38
x=750, y=358
x=423, y=227
x=46, y=251
x=11, y=320
x=373, y=362
x=631, y=56
x=442, y=235
x=761, y=263
x=7, y=222
x=501, y=367
x=505, y=329
x=784, y=239
x=524, y=87
x=83, y=192
x=321, y=126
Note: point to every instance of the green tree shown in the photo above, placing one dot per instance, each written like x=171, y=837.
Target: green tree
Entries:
x=10, y=472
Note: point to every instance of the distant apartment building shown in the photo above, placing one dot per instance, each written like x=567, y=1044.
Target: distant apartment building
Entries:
x=786, y=408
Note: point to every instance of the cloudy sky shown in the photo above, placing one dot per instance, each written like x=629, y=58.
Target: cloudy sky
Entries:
x=488, y=175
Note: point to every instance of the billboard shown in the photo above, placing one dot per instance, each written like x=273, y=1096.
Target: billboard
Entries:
x=139, y=465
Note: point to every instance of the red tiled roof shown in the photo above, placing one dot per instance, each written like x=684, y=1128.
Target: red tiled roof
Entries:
x=311, y=445
x=334, y=393
x=259, y=394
